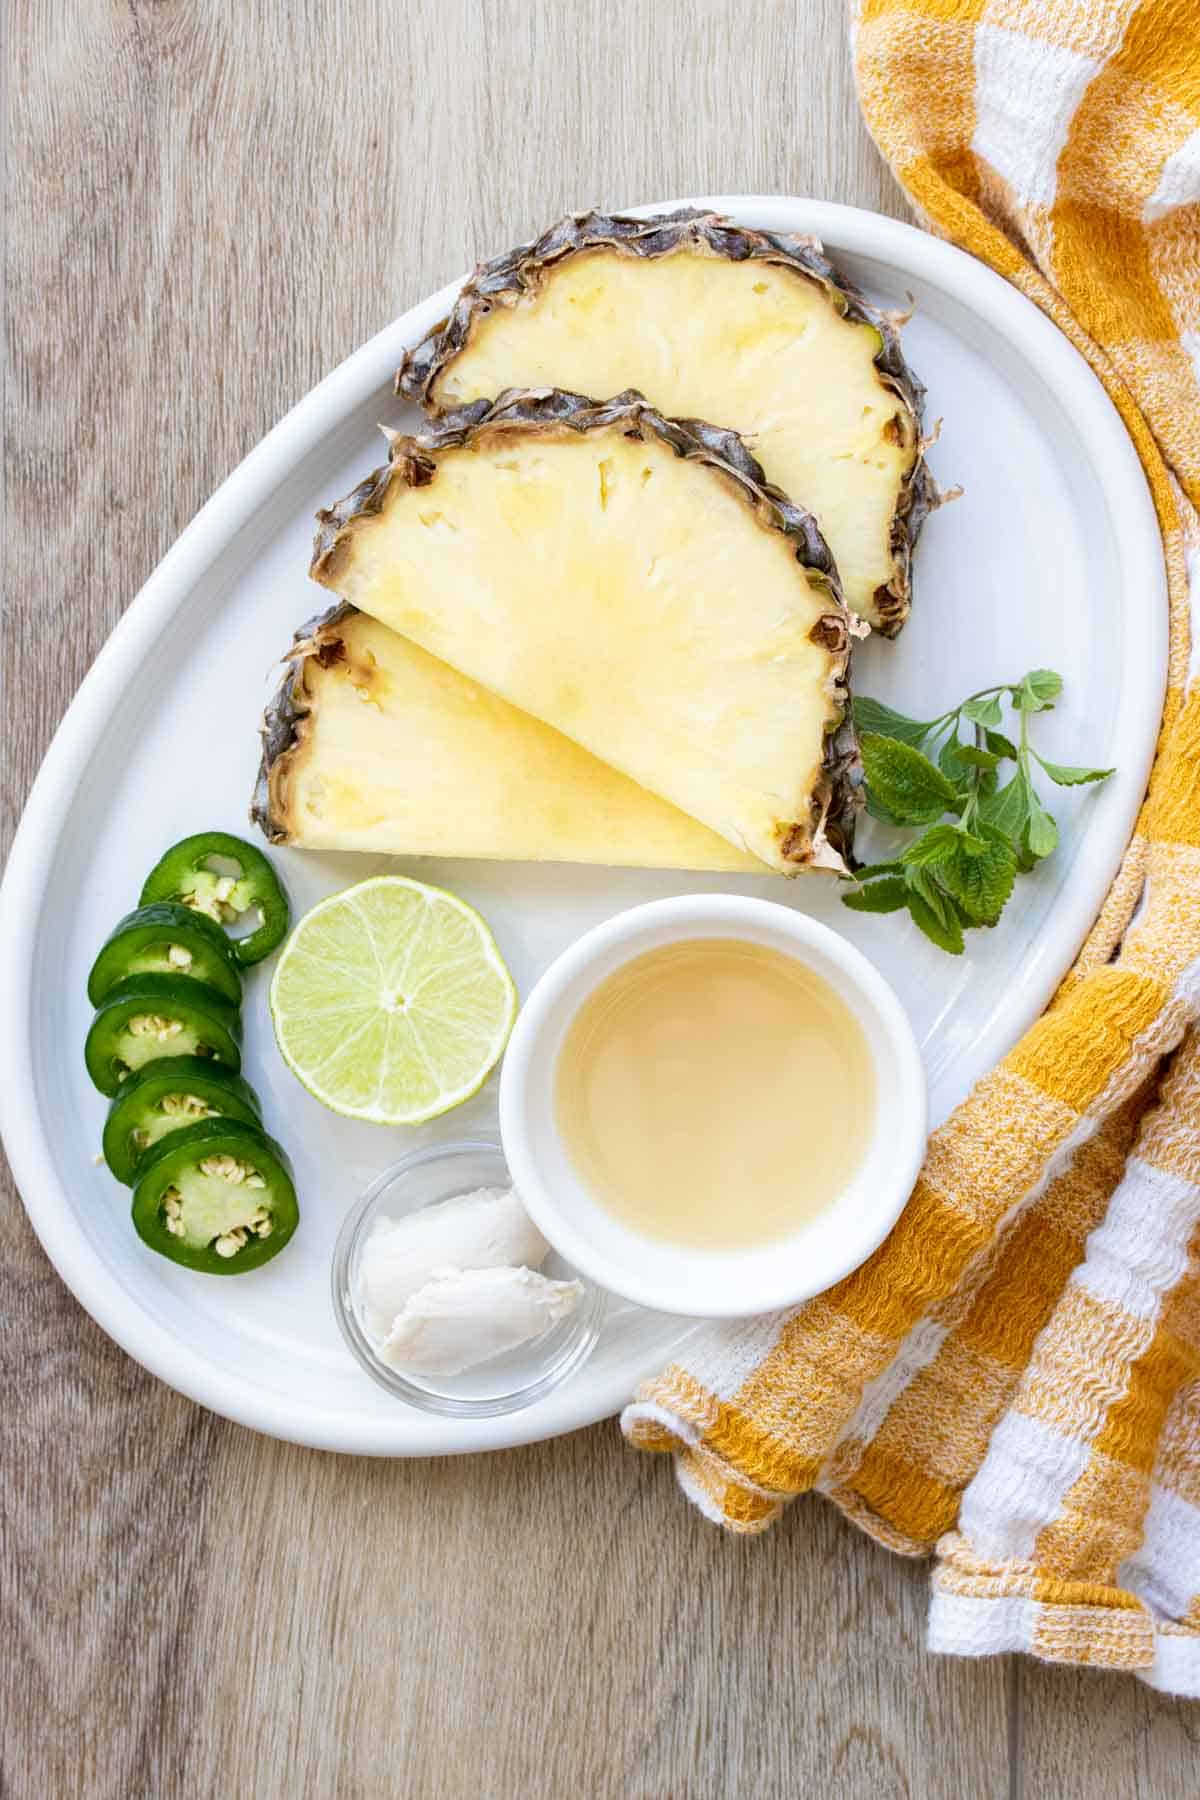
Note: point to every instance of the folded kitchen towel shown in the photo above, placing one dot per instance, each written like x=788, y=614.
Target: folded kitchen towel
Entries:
x=1013, y=1379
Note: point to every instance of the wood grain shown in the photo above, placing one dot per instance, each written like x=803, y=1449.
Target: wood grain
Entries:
x=206, y=208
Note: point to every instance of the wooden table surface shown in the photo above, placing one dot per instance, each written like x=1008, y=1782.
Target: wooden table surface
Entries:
x=207, y=207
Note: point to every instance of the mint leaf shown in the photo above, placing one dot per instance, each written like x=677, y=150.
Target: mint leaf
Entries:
x=1047, y=684
x=985, y=711
x=923, y=884
x=947, y=935
x=1008, y=809
x=884, y=721
x=975, y=758
x=938, y=845
x=957, y=872
x=906, y=783
x=950, y=766
x=878, y=811
x=869, y=871
x=1037, y=691
x=1041, y=833
x=982, y=883
x=1067, y=776
x=888, y=895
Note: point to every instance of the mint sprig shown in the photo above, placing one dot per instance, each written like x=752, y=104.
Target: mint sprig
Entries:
x=958, y=874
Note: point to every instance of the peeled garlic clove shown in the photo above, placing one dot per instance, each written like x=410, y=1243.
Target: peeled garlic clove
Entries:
x=463, y=1317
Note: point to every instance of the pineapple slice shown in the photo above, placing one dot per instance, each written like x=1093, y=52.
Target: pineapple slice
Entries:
x=631, y=582
x=709, y=319
x=372, y=744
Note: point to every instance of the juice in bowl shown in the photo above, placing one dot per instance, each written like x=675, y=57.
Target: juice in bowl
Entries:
x=713, y=1105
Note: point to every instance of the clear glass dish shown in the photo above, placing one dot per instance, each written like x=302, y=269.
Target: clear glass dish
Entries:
x=504, y=1384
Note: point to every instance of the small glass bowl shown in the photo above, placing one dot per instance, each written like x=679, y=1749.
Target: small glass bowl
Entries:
x=506, y=1383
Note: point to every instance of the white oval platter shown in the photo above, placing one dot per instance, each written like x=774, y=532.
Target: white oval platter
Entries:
x=1051, y=558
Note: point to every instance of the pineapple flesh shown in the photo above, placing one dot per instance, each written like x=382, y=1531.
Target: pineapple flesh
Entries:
x=632, y=583
x=713, y=321
x=372, y=744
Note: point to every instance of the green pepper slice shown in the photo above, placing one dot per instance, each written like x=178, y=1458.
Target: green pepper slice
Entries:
x=217, y=1197
x=150, y=1016
x=165, y=939
x=227, y=895
x=165, y=1097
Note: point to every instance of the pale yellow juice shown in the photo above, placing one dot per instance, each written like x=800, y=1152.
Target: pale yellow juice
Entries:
x=715, y=1094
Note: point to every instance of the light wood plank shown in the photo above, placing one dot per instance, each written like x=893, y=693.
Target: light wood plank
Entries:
x=551, y=1621
x=1084, y=1734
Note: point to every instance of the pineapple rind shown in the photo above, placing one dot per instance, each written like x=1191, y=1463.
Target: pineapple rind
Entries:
x=822, y=834
x=519, y=274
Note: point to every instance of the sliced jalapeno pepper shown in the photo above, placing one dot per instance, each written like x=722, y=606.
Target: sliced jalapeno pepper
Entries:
x=166, y=939
x=166, y=1097
x=217, y=1197
x=191, y=873
x=150, y=1016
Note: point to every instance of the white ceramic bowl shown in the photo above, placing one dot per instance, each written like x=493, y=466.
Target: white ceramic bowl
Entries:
x=675, y=1278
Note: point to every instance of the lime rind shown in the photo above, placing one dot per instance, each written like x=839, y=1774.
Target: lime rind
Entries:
x=391, y=1002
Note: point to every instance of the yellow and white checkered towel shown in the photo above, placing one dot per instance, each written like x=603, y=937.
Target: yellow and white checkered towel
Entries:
x=1014, y=1377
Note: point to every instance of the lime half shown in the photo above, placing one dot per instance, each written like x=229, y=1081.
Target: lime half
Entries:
x=391, y=1002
